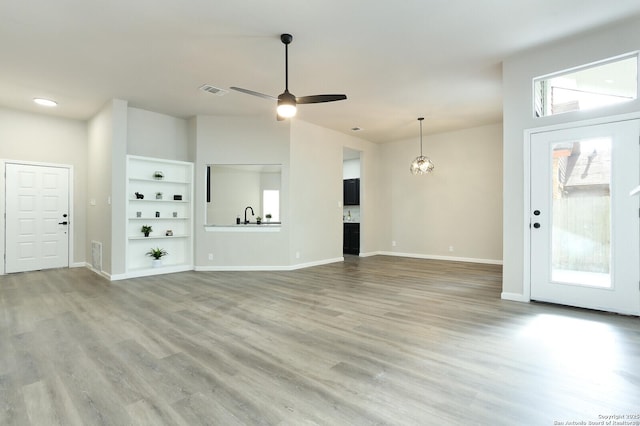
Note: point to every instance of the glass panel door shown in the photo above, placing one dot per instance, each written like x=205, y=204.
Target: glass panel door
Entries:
x=585, y=229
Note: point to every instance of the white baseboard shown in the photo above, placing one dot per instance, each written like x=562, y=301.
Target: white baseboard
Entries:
x=373, y=253
x=239, y=268
x=101, y=273
x=515, y=297
x=436, y=257
x=146, y=272
x=268, y=268
x=316, y=263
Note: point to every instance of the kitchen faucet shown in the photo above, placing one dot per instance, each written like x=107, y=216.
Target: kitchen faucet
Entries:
x=245, y=214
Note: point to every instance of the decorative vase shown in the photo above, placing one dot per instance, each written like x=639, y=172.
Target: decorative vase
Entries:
x=156, y=263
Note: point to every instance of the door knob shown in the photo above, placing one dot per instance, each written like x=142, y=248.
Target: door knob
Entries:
x=536, y=225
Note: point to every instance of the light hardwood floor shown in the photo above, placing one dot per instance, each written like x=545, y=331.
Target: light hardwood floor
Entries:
x=371, y=341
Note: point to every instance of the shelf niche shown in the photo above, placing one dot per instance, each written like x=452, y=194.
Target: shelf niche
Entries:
x=172, y=211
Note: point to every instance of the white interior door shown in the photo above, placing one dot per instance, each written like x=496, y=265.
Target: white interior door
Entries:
x=37, y=217
x=585, y=231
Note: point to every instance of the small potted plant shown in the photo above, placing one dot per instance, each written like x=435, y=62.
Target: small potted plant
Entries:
x=157, y=254
x=258, y=220
x=268, y=217
x=146, y=229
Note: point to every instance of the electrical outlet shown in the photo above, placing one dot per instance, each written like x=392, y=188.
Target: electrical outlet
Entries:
x=393, y=243
x=451, y=249
x=210, y=256
x=297, y=255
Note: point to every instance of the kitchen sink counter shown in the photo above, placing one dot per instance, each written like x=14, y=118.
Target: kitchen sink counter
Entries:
x=250, y=227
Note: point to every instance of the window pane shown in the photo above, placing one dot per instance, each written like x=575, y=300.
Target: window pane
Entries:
x=271, y=204
x=581, y=229
x=590, y=87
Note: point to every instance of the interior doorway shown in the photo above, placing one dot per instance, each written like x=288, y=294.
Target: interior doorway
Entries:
x=584, y=225
x=37, y=216
x=351, y=207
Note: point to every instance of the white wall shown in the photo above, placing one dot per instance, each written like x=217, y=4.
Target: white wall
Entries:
x=316, y=193
x=40, y=138
x=106, y=185
x=150, y=134
x=99, y=184
x=119, y=142
x=239, y=140
x=311, y=193
x=459, y=205
x=518, y=73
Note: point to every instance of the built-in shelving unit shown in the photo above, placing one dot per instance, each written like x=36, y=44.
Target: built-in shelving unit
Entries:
x=167, y=206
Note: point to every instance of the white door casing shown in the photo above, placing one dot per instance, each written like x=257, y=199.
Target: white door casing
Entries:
x=37, y=217
x=561, y=230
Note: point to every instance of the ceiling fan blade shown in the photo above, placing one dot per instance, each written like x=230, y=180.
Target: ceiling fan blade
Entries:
x=286, y=100
x=316, y=99
x=251, y=92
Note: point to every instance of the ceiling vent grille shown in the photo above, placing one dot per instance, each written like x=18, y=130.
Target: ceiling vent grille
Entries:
x=215, y=90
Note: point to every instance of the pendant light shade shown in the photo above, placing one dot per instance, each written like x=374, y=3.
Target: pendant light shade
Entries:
x=421, y=165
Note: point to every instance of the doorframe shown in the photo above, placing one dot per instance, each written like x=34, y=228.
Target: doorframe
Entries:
x=526, y=228
x=3, y=206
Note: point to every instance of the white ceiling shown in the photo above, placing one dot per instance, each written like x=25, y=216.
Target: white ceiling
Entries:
x=395, y=60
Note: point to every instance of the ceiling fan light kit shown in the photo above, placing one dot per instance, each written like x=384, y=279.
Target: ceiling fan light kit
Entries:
x=287, y=102
x=287, y=105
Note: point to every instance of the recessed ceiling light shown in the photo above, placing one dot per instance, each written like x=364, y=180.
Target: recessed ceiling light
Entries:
x=45, y=102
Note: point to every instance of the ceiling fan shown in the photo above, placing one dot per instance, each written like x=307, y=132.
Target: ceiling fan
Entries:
x=287, y=101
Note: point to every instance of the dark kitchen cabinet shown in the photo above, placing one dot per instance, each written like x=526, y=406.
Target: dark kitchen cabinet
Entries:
x=351, y=192
x=351, y=238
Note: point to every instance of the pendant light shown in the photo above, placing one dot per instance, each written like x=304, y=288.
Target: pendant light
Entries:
x=421, y=165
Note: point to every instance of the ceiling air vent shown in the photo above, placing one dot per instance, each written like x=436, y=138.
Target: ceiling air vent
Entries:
x=215, y=90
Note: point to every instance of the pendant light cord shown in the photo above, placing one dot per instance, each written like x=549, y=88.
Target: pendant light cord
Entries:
x=420, y=120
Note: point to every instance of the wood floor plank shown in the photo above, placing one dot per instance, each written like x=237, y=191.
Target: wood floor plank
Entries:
x=377, y=340
x=145, y=412
x=40, y=404
x=12, y=407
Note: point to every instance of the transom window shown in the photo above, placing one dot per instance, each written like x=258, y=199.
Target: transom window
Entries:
x=596, y=85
